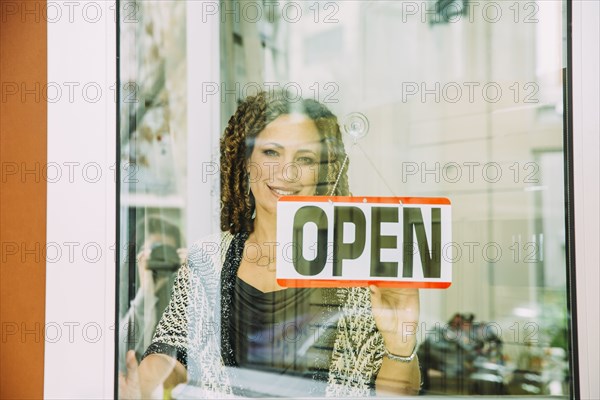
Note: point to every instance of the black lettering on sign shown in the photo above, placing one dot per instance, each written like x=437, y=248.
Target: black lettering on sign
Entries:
x=303, y=216
x=431, y=262
x=378, y=242
x=347, y=251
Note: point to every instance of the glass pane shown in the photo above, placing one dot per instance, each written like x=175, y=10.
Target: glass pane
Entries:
x=454, y=99
x=153, y=154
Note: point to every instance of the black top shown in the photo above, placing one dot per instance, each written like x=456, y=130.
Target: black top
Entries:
x=289, y=331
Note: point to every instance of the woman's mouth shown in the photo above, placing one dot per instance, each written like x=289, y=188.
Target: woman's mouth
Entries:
x=279, y=191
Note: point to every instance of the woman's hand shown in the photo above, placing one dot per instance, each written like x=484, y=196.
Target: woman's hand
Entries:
x=396, y=313
x=129, y=385
x=150, y=379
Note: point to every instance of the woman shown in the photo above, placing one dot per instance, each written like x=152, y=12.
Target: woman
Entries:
x=226, y=296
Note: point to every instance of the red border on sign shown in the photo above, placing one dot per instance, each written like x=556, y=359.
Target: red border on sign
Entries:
x=333, y=283
x=361, y=199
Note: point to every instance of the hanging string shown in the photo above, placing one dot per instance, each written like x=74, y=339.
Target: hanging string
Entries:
x=337, y=180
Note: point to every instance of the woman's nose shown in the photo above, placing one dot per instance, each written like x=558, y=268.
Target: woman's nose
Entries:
x=290, y=171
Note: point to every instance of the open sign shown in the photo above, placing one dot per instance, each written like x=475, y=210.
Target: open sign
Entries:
x=358, y=241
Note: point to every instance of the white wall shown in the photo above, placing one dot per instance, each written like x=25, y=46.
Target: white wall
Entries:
x=586, y=128
x=80, y=289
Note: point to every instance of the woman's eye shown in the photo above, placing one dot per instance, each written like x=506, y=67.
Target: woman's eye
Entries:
x=270, y=153
x=306, y=161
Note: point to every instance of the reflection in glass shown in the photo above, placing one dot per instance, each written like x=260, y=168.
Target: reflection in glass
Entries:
x=153, y=119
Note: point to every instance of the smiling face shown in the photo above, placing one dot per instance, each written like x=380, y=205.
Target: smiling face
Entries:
x=284, y=161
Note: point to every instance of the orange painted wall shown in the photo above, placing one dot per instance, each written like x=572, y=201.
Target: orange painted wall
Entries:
x=23, y=143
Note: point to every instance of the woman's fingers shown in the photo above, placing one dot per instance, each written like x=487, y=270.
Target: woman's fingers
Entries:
x=129, y=385
x=122, y=381
x=396, y=299
x=375, y=294
x=132, y=368
x=396, y=313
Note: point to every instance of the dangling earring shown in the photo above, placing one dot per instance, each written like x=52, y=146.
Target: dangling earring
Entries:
x=248, y=195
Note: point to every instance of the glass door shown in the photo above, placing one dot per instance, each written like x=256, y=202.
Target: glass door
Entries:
x=455, y=99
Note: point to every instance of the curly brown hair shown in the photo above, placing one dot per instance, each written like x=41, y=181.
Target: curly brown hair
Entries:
x=251, y=118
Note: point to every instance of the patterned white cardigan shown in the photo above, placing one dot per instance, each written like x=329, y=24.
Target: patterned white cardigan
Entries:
x=189, y=328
